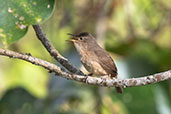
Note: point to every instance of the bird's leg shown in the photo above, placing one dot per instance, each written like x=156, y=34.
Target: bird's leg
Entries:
x=90, y=74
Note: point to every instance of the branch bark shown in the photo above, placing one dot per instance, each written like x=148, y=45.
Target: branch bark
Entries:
x=100, y=81
x=53, y=52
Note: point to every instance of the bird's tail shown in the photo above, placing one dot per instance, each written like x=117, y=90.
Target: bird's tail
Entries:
x=119, y=90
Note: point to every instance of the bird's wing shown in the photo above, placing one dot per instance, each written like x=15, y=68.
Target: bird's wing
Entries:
x=106, y=62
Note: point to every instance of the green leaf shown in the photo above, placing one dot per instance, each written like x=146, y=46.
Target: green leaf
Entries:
x=16, y=15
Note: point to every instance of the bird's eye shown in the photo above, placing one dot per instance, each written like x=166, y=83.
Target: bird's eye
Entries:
x=81, y=38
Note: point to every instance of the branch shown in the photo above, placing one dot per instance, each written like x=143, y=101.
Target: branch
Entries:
x=100, y=81
x=53, y=52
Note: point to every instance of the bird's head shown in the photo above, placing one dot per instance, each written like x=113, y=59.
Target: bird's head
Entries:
x=83, y=37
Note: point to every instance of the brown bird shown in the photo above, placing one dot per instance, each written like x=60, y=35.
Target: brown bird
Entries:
x=94, y=58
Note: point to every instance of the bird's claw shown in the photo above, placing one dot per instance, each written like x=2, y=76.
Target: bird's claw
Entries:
x=90, y=74
x=104, y=78
x=86, y=79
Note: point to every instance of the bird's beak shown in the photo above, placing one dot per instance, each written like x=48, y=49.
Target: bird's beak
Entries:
x=73, y=39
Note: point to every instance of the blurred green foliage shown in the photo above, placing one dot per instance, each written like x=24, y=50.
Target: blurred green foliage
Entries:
x=136, y=33
x=17, y=15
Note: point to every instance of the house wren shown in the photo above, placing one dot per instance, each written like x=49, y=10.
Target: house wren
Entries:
x=94, y=58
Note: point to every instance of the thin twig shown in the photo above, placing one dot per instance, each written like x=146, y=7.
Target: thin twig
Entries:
x=100, y=81
x=53, y=52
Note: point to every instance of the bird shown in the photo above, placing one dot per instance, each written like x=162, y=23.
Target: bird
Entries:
x=94, y=58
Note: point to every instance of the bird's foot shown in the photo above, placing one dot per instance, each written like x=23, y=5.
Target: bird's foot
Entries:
x=104, y=78
x=90, y=74
x=86, y=77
